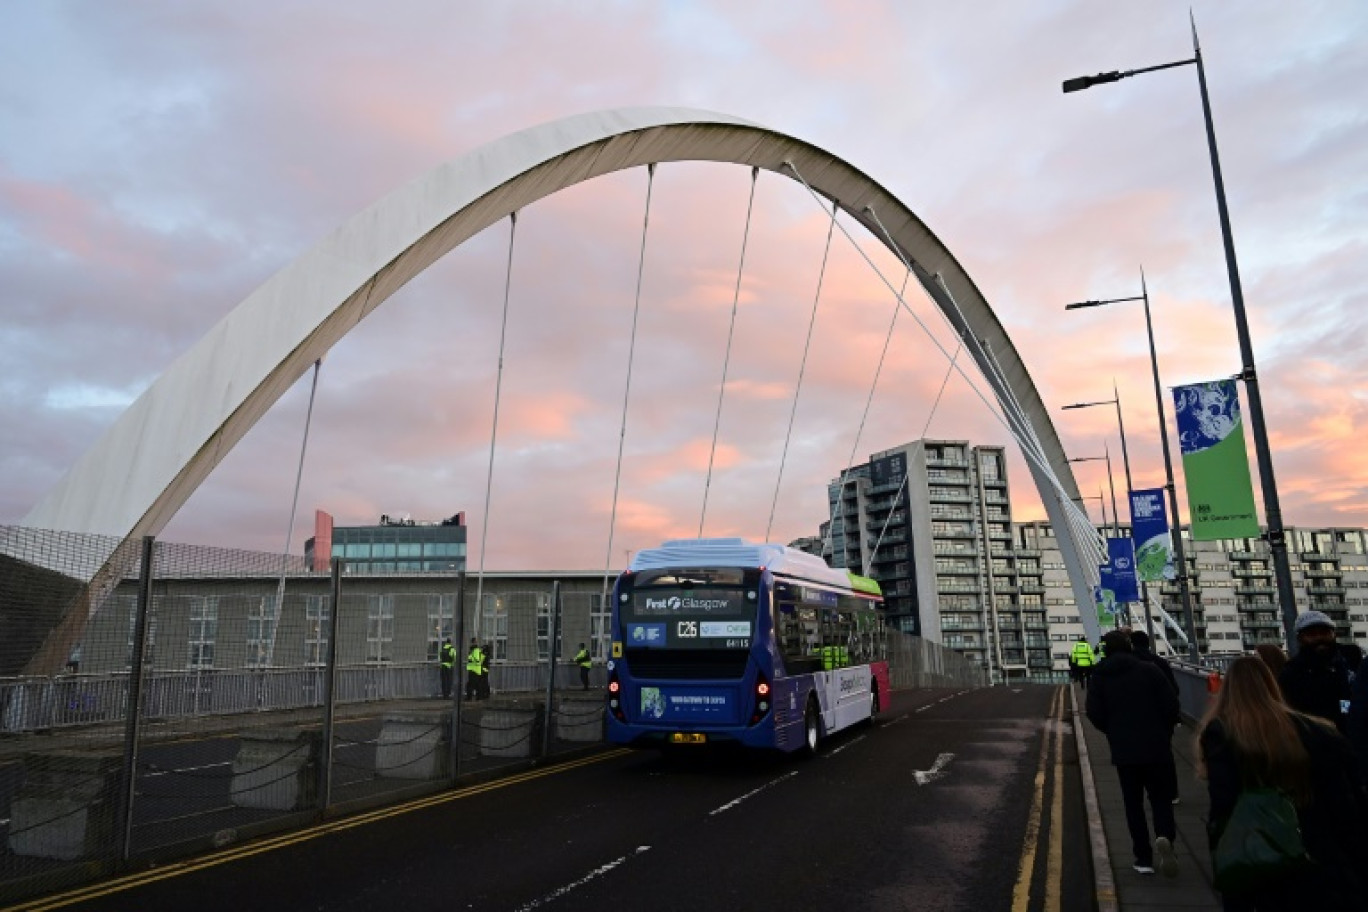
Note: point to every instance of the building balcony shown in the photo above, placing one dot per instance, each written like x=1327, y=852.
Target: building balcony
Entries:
x=954, y=533
x=1251, y=572
x=1245, y=588
x=1325, y=590
x=949, y=497
x=959, y=571
x=1309, y=556
x=1319, y=570
x=1031, y=587
x=1244, y=555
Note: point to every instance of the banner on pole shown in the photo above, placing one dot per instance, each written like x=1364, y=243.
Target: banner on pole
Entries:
x=1122, y=553
x=1215, y=463
x=1153, y=546
x=1105, y=603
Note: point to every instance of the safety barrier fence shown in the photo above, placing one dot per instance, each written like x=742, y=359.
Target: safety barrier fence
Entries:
x=268, y=695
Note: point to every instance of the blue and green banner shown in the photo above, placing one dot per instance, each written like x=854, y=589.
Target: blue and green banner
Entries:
x=1153, y=545
x=1122, y=553
x=1215, y=464
x=1105, y=602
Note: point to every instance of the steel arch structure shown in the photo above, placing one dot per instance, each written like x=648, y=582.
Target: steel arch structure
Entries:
x=144, y=468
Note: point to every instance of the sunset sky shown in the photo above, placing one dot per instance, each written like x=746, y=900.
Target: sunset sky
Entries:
x=160, y=160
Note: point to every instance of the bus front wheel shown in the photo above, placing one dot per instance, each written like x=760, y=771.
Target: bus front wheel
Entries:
x=812, y=728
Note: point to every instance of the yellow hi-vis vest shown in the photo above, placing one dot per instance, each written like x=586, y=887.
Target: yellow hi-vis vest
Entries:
x=582, y=659
x=448, y=655
x=475, y=660
x=1082, y=655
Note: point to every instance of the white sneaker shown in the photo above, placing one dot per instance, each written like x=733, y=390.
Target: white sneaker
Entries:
x=1166, y=861
x=1143, y=869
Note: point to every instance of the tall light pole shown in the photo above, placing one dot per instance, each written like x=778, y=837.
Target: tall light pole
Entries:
x=1277, y=537
x=1130, y=486
x=1116, y=514
x=1175, y=524
x=1116, y=532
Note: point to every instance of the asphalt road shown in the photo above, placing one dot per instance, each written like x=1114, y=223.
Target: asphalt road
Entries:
x=957, y=800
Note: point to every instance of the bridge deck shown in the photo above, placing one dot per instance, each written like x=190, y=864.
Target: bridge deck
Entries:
x=958, y=800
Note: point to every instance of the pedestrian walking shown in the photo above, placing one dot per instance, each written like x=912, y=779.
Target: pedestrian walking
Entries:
x=1316, y=681
x=1140, y=646
x=474, y=664
x=446, y=664
x=487, y=656
x=1131, y=702
x=584, y=662
x=1358, y=719
x=1251, y=740
x=1081, y=662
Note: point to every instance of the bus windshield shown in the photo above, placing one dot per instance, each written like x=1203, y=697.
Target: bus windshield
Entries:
x=691, y=608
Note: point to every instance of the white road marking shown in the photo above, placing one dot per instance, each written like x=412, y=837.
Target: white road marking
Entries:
x=935, y=772
x=924, y=708
x=833, y=753
x=599, y=871
x=731, y=804
x=186, y=769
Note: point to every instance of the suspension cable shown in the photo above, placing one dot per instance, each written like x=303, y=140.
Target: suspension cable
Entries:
x=494, y=429
x=294, y=504
x=627, y=386
x=1027, y=450
x=869, y=402
x=902, y=486
x=726, y=360
x=802, y=367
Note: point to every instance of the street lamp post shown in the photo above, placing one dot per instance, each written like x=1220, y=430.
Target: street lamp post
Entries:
x=1277, y=537
x=1116, y=514
x=1175, y=525
x=1125, y=458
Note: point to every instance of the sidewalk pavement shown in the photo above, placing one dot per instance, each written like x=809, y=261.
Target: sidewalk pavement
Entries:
x=1135, y=892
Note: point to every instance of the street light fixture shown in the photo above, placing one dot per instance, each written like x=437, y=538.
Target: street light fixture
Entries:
x=1277, y=537
x=1176, y=526
x=1130, y=486
x=1115, y=515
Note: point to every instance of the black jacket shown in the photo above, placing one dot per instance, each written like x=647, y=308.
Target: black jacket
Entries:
x=1316, y=687
x=1358, y=719
x=1331, y=825
x=1161, y=663
x=1131, y=702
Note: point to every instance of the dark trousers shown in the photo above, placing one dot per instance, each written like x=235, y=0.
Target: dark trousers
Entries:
x=584, y=677
x=446, y=680
x=1138, y=780
x=472, y=685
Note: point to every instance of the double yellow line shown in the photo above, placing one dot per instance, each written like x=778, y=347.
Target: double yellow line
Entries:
x=1054, y=859
x=261, y=846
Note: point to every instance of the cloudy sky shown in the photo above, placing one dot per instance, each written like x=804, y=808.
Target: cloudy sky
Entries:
x=160, y=160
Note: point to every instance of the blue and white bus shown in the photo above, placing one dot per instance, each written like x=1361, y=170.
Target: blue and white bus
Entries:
x=727, y=641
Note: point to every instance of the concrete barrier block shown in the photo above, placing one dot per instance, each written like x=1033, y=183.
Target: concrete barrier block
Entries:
x=65, y=808
x=414, y=746
x=579, y=720
x=276, y=770
x=509, y=732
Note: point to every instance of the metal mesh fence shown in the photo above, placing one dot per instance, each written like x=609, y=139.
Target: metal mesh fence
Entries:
x=269, y=693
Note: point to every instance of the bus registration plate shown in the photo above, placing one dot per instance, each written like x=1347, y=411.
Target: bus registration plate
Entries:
x=688, y=738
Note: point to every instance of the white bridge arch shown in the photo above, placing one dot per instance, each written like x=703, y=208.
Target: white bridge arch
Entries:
x=144, y=468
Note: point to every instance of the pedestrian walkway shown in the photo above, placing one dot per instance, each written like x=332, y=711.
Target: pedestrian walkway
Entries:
x=1132, y=891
